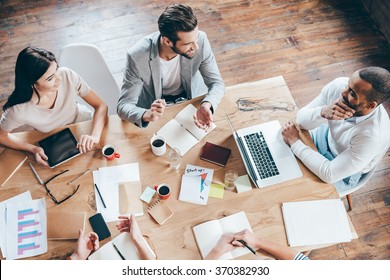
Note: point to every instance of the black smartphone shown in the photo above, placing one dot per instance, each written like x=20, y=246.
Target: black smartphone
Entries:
x=99, y=226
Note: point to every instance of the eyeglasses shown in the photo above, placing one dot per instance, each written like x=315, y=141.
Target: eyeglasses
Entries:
x=52, y=196
x=178, y=100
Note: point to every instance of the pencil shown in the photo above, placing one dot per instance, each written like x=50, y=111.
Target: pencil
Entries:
x=81, y=175
x=246, y=245
x=36, y=174
x=119, y=253
x=100, y=195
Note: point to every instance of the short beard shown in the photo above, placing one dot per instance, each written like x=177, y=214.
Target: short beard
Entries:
x=180, y=53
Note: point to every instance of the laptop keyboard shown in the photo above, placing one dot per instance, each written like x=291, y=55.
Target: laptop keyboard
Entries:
x=261, y=155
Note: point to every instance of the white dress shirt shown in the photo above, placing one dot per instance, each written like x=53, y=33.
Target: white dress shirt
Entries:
x=358, y=143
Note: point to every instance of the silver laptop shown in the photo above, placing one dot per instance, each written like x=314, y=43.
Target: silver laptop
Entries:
x=267, y=158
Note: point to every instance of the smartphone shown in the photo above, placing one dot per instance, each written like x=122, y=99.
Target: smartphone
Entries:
x=99, y=226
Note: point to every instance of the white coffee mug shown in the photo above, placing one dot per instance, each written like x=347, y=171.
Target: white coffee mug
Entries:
x=158, y=144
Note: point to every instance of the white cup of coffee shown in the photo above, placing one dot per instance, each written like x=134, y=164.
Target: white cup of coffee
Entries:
x=158, y=144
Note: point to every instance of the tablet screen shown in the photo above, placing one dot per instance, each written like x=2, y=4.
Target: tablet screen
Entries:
x=60, y=147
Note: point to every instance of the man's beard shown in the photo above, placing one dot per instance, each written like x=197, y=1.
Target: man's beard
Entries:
x=357, y=107
x=182, y=54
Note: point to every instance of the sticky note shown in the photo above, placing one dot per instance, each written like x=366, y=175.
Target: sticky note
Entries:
x=243, y=184
x=216, y=190
x=148, y=194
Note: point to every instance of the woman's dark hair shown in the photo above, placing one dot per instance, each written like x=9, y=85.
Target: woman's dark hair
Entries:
x=176, y=18
x=31, y=64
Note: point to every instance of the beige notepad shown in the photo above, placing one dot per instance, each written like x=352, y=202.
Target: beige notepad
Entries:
x=160, y=211
x=64, y=224
x=129, y=202
x=10, y=161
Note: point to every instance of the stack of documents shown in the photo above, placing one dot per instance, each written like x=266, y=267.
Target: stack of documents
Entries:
x=316, y=222
x=113, y=182
x=23, y=227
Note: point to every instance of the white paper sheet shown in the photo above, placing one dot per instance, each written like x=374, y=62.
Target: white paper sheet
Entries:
x=124, y=244
x=107, y=179
x=26, y=229
x=316, y=222
x=26, y=196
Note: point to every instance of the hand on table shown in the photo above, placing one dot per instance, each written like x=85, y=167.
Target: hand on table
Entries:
x=86, y=143
x=290, y=133
x=40, y=156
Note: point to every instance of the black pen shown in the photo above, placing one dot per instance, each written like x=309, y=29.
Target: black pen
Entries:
x=119, y=253
x=246, y=245
x=101, y=198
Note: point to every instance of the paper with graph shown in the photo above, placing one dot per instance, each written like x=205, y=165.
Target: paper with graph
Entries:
x=24, y=227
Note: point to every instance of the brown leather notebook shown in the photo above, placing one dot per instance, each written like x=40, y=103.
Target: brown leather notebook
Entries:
x=10, y=161
x=215, y=154
x=160, y=211
x=64, y=224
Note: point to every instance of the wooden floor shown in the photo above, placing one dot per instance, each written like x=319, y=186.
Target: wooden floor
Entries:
x=309, y=42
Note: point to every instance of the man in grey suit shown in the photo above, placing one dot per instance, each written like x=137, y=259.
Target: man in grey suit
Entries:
x=171, y=66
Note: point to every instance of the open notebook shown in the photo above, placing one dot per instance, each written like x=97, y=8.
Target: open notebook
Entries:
x=181, y=132
x=125, y=246
x=208, y=234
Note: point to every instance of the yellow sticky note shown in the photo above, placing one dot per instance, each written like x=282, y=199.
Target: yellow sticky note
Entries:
x=216, y=191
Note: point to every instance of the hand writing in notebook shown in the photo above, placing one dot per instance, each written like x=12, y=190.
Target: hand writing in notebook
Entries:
x=229, y=241
x=223, y=246
x=129, y=224
x=85, y=245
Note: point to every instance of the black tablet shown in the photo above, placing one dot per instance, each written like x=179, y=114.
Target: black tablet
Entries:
x=60, y=147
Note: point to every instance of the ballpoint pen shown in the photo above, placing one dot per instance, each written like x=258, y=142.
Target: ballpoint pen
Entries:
x=246, y=245
x=119, y=253
x=36, y=174
x=81, y=175
x=100, y=195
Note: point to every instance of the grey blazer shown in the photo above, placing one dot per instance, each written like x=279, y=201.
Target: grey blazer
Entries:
x=142, y=78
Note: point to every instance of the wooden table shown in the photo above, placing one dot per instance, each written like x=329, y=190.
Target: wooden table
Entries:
x=246, y=104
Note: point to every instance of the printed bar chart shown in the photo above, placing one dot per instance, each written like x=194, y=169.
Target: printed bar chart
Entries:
x=26, y=247
x=29, y=234
x=26, y=229
x=26, y=212
x=29, y=223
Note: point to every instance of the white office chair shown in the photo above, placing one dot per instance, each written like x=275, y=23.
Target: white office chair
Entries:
x=363, y=180
x=87, y=60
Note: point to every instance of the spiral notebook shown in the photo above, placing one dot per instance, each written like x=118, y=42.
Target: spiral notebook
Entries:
x=160, y=211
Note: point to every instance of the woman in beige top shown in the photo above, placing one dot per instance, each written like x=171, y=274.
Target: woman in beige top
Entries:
x=44, y=99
